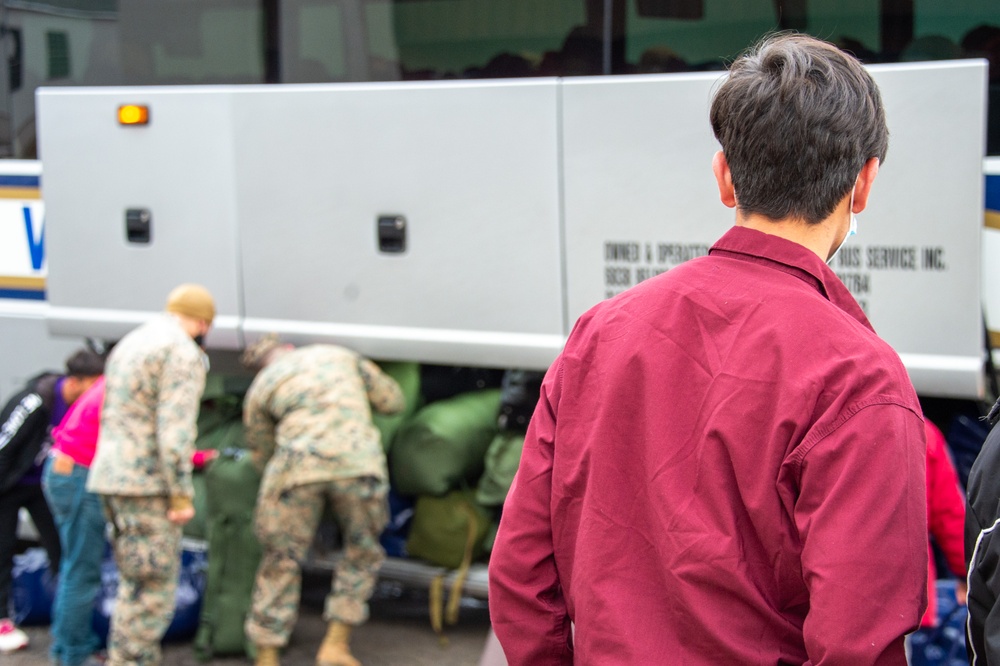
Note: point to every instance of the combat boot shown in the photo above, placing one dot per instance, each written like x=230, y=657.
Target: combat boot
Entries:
x=267, y=656
x=335, y=650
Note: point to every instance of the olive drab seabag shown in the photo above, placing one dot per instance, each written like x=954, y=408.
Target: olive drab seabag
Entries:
x=407, y=375
x=502, y=459
x=444, y=444
x=448, y=531
x=231, y=484
x=519, y=394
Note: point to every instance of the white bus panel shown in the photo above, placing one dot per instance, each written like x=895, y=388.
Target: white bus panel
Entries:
x=471, y=223
x=101, y=283
x=467, y=172
x=641, y=197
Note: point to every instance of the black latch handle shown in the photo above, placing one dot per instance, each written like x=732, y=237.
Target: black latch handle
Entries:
x=138, y=225
x=392, y=234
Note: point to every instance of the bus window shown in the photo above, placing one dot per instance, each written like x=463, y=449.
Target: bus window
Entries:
x=953, y=20
x=656, y=45
x=51, y=42
x=153, y=42
x=444, y=39
x=57, y=48
x=853, y=24
x=874, y=31
x=933, y=30
x=380, y=34
x=944, y=29
x=191, y=41
x=312, y=43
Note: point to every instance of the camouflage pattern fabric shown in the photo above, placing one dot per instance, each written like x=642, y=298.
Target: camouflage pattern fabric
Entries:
x=308, y=418
x=154, y=379
x=314, y=405
x=147, y=551
x=285, y=525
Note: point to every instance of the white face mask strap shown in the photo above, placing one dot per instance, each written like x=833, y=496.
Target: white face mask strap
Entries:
x=853, y=229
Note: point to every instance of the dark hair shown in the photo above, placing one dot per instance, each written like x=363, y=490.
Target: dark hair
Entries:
x=85, y=363
x=797, y=119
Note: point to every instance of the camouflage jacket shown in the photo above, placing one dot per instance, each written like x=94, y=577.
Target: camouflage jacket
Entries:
x=309, y=414
x=154, y=380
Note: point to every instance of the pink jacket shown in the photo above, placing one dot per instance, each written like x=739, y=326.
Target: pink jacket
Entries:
x=76, y=435
x=945, y=515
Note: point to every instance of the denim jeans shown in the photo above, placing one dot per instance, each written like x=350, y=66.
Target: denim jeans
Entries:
x=80, y=518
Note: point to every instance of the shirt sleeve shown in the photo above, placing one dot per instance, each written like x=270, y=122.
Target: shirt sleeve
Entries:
x=384, y=393
x=527, y=608
x=259, y=425
x=861, y=516
x=181, y=384
x=24, y=426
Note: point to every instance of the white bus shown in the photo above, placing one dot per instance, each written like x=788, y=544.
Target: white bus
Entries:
x=454, y=181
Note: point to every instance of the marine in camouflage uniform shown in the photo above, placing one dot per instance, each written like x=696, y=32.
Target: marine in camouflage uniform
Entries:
x=142, y=469
x=308, y=421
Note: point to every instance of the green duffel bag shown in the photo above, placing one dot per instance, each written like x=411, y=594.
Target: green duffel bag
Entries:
x=502, y=458
x=231, y=484
x=220, y=426
x=491, y=536
x=443, y=445
x=224, y=433
x=449, y=531
x=221, y=404
x=197, y=527
x=407, y=375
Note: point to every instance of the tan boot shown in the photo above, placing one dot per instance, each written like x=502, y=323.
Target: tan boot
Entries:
x=335, y=650
x=267, y=656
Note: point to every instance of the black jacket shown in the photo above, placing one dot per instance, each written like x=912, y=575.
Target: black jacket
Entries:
x=982, y=550
x=25, y=425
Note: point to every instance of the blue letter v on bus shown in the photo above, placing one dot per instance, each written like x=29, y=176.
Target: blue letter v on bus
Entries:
x=36, y=247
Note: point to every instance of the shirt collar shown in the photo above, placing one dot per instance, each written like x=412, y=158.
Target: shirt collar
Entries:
x=789, y=257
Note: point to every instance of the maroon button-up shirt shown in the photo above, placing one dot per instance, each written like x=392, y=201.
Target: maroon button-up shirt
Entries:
x=726, y=466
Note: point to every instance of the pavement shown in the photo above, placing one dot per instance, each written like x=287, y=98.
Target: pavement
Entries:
x=398, y=634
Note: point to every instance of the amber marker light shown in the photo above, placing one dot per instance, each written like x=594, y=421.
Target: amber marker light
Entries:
x=133, y=114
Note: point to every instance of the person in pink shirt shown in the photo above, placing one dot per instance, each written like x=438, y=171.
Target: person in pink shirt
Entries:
x=80, y=519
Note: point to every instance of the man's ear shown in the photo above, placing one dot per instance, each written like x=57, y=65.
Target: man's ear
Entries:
x=863, y=185
x=724, y=178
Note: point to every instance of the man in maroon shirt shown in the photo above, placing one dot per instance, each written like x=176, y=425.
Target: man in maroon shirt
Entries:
x=726, y=465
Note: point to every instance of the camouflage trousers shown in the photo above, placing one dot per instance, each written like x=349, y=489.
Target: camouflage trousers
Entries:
x=285, y=525
x=147, y=550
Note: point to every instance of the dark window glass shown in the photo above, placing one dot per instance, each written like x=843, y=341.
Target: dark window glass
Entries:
x=57, y=44
x=162, y=42
x=191, y=41
x=874, y=30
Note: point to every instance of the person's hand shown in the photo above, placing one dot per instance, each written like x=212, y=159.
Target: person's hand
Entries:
x=181, y=510
x=180, y=516
x=962, y=593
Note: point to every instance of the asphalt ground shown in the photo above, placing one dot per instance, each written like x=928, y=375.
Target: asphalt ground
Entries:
x=399, y=633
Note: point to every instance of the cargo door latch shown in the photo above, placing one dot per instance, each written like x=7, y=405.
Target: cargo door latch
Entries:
x=392, y=234
x=138, y=225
